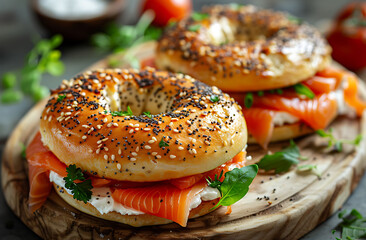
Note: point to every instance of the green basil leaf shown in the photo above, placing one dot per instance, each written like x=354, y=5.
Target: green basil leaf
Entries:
x=301, y=89
x=236, y=184
x=281, y=161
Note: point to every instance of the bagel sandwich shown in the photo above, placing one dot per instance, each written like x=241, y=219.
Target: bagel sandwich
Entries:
x=137, y=147
x=278, y=68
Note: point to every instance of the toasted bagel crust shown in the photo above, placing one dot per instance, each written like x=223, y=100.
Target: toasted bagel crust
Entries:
x=133, y=220
x=193, y=127
x=243, y=49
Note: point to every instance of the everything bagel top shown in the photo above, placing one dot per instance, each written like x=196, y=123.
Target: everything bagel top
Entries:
x=99, y=121
x=243, y=48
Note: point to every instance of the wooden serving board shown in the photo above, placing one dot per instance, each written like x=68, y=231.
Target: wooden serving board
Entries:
x=284, y=206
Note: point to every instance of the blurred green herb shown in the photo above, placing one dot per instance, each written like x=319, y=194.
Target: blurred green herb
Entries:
x=119, y=38
x=199, y=16
x=353, y=225
x=309, y=168
x=337, y=144
x=194, y=27
x=248, y=100
x=43, y=58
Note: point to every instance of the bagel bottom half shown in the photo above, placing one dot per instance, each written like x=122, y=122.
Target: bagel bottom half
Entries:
x=286, y=132
x=133, y=220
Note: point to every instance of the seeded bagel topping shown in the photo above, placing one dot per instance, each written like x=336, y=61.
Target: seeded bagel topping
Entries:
x=159, y=106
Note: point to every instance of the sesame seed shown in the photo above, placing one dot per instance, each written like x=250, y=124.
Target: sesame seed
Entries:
x=67, y=118
x=180, y=148
x=147, y=147
x=85, y=126
x=106, y=149
x=90, y=151
x=147, y=129
x=104, y=139
x=109, y=125
x=113, y=157
x=232, y=141
x=115, y=124
x=151, y=141
x=119, y=166
x=136, y=129
x=154, y=138
x=154, y=153
x=119, y=151
x=194, y=140
x=132, y=159
x=131, y=131
x=98, y=151
x=99, y=126
x=99, y=141
x=134, y=154
x=105, y=120
x=158, y=156
x=84, y=137
x=176, y=130
x=137, y=149
x=106, y=157
x=207, y=142
x=194, y=151
x=172, y=156
x=45, y=117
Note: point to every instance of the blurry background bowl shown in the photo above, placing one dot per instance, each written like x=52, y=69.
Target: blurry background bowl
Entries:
x=78, y=29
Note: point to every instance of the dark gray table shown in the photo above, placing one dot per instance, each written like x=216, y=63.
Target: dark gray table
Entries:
x=18, y=28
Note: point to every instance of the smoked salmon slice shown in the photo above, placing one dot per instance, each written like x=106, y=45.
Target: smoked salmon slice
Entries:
x=40, y=162
x=317, y=112
x=238, y=161
x=166, y=201
x=260, y=124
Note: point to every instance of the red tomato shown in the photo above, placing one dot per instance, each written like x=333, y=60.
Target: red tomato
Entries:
x=348, y=37
x=168, y=10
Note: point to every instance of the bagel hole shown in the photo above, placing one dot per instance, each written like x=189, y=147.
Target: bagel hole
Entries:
x=152, y=99
x=222, y=32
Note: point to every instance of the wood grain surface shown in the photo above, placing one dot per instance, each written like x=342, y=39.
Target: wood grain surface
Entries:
x=284, y=206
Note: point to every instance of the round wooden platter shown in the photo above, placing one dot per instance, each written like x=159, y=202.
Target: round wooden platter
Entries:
x=284, y=206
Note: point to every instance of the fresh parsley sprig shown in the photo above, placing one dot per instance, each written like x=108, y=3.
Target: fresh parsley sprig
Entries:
x=214, y=98
x=281, y=161
x=337, y=144
x=162, y=143
x=81, y=190
x=147, y=114
x=353, y=225
x=235, y=185
x=122, y=113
